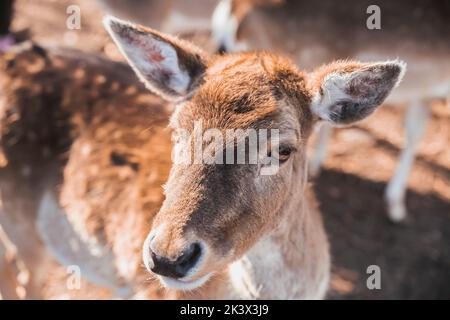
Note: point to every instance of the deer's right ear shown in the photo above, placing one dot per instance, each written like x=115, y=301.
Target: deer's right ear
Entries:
x=168, y=66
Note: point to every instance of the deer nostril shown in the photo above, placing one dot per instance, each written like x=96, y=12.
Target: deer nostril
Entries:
x=181, y=266
x=222, y=49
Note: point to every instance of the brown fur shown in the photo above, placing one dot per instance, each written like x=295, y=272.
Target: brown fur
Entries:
x=224, y=91
x=105, y=133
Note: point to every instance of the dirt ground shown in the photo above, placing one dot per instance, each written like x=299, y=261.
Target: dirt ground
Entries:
x=414, y=256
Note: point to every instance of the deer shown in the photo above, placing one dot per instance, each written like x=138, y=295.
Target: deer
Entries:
x=213, y=231
x=313, y=33
x=221, y=221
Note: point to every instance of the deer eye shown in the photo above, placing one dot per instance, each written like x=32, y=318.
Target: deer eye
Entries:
x=284, y=153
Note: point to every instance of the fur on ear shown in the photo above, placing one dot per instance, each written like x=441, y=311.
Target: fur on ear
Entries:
x=345, y=92
x=168, y=66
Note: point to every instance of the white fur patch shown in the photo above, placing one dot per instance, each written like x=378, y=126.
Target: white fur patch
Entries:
x=224, y=26
x=257, y=274
x=242, y=276
x=69, y=249
x=403, y=67
x=334, y=89
x=183, y=285
x=262, y=274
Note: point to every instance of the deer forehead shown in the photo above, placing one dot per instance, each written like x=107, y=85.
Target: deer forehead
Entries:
x=244, y=91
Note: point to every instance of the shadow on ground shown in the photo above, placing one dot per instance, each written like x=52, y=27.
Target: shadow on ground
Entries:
x=414, y=256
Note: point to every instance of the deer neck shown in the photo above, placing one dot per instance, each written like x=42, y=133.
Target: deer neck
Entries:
x=292, y=262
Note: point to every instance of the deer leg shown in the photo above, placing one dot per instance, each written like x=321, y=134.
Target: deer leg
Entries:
x=30, y=257
x=224, y=27
x=14, y=276
x=24, y=264
x=225, y=21
x=8, y=279
x=415, y=125
x=320, y=148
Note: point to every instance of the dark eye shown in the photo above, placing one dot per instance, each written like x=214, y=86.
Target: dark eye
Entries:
x=284, y=153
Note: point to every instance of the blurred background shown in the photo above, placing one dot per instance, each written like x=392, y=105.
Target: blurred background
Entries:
x=414, y=255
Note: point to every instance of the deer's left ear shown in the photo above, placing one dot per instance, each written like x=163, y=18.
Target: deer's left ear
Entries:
x=168, y=66
x=345, y=92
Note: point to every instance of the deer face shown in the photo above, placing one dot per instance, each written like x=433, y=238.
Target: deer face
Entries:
x=216, y=208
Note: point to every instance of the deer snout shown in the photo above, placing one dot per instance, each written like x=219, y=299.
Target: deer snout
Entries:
x=181, y=266
x=172, y=257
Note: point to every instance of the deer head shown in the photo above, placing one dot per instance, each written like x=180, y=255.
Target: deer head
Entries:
x=214, y=212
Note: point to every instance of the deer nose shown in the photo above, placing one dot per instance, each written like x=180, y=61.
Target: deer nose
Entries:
x=179, y=267
x=222, y=49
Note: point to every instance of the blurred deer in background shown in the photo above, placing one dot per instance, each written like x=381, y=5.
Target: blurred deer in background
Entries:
x=314, y=32
x=77, y=133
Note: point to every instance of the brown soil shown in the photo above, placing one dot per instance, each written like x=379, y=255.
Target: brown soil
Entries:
x=414, y=256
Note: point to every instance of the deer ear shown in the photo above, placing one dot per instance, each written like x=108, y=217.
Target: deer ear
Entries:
x=346, y=92
x=168, y=66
